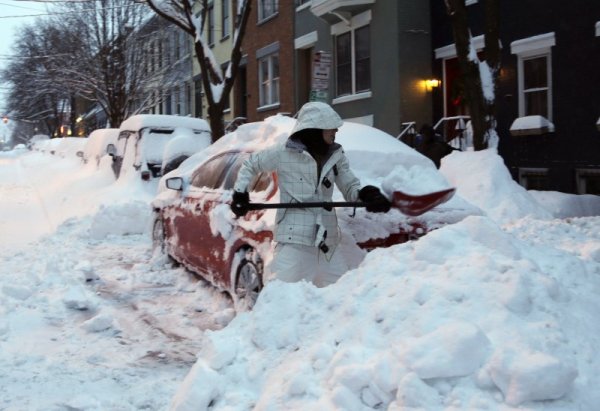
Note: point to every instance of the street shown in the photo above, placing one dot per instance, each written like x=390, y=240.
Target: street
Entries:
x=83, y=312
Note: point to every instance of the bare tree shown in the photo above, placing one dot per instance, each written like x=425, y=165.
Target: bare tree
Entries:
x=37, y=94
x=108, y=68
x=90, y=53
x=217, y=83
x=478, y=73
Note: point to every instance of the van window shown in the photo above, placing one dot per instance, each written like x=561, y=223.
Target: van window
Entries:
x=154, y=142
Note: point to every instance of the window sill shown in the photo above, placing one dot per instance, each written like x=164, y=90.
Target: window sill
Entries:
x=267, y=19
x=224, y=38
x=352, y=97
x=268, y=107
x=303, y=6
x=531, y=126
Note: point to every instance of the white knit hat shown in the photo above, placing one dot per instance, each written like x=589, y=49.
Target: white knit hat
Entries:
x=317, y=115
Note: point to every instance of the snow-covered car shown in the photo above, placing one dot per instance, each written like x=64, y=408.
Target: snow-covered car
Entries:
x=194, y=225
x=97, y=144
x=38, y=142
x=143, y=138
x=184, y=144
x=63, y=147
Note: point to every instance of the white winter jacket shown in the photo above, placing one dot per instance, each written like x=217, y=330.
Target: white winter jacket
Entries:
x=297, y=178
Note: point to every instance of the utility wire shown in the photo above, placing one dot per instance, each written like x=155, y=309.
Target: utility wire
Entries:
x=69, y=12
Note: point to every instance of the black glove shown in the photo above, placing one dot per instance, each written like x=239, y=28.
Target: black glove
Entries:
x=240, y=204
x=376, y=202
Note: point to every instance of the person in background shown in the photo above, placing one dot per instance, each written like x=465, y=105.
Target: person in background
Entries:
x=432, y=146
x=307, y=166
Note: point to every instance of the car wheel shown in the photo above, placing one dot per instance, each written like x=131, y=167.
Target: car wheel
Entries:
x=248, y=279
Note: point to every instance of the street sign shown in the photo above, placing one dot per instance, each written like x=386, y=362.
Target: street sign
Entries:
x=320, y=76
x=319, y=95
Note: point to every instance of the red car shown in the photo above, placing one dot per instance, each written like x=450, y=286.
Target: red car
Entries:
x=195, y=226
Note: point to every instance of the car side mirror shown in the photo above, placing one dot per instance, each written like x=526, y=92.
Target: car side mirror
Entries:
x=174, y=183
x=111, y=150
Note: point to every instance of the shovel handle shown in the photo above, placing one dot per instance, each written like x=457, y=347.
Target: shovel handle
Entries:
x=314, y=204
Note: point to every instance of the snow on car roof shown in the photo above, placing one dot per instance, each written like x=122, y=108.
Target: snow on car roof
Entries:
x=98, y=140
x=140, y=121
x=397, y=166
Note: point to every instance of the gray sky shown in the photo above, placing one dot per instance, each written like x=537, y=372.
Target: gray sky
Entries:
x=14, y=14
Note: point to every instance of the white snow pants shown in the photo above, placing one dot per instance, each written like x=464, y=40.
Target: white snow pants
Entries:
x=295, y=262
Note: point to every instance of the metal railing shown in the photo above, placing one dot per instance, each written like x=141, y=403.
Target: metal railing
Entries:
x=453, y=129
x=408, y=133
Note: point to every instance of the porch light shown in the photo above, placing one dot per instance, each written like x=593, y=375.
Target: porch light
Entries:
x=430, y=84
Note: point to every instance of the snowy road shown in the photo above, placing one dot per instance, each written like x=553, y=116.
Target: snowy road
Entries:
x=83, y=311
x=19, y=197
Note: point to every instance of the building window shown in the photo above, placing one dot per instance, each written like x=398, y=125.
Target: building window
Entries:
x=535, y=75
x=534, y=178
x=353, y=58
x=188, y=99
x=177, y=101
x=225, y=19
x=536, y=86
x=268, y=79
x=227, y=105
x=168, y=103
x=588, y=181
x=300, y=3
x=177, y=45
x=198, y=98
x=267, y=8
x=211, y=25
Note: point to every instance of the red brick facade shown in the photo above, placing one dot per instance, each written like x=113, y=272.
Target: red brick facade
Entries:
x=277, y=29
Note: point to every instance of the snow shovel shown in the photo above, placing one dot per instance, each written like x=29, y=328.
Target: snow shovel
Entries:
x=411, y=205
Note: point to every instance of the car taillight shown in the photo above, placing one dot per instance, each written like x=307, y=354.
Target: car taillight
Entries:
x=146, y=175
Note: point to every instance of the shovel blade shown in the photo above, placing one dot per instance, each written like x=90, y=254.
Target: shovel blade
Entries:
x=415, y=205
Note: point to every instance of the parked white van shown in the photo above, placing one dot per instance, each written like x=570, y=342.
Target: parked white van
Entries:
x=143, y=138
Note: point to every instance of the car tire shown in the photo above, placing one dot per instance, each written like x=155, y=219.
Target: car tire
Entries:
x=248, y=279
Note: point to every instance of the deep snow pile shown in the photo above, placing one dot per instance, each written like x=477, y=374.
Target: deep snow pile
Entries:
x=494, y=312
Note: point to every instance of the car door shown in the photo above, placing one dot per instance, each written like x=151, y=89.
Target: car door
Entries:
x=122, y=143
x=206, y=231
x=199, y=244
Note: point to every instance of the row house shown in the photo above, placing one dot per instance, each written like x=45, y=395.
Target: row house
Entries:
x=266, y=86
x=550, y=53
x=379, y=62
x=166, y=69
x=218, y=33
x=369, y=59
x=376, y=57
x=380, y=59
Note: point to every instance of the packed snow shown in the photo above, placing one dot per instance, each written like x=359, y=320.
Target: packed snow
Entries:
x=497, y=311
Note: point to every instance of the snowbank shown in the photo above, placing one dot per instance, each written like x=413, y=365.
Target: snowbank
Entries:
x=468, y=317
